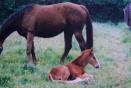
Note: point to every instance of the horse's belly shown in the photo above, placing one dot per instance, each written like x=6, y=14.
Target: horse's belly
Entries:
x=50, y=27
x=48, y=32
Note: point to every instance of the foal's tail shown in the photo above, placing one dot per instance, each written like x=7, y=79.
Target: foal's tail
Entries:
x=89, y=29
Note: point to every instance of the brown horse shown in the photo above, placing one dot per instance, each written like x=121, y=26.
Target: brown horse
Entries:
x=74, y=69
x=48, y=21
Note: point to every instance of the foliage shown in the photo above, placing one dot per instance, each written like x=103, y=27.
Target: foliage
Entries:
x=101, y=10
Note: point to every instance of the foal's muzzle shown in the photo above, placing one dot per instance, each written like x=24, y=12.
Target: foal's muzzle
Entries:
x=97, y=66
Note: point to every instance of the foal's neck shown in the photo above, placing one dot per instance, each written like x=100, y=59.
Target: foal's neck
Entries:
x=82, y=60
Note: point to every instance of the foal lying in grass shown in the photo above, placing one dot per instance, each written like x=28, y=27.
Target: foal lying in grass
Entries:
x=73, y=72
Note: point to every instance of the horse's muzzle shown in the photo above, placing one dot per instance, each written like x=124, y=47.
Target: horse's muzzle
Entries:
x=1, y=48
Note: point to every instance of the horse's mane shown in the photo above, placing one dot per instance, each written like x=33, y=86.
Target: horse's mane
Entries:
x=13, y=18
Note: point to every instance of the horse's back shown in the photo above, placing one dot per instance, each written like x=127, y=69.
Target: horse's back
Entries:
x=50, y=20
x=75, y=15
x=55, y=11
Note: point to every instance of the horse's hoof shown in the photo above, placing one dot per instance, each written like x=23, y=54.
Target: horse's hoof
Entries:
x=35, y=62
x=30, y=67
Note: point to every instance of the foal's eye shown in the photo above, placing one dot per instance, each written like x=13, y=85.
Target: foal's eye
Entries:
x=94, y=58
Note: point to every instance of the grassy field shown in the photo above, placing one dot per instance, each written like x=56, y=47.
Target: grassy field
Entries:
x=112, y=45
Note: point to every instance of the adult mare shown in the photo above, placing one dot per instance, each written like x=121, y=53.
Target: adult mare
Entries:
x=48, y=21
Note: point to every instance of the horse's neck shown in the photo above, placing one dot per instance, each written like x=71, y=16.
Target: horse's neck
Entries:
x=10, y=24
x=5, y=31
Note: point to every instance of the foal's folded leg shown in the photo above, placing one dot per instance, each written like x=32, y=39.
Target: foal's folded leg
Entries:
x=83, y=79
x=77, y=80
x=87, y=76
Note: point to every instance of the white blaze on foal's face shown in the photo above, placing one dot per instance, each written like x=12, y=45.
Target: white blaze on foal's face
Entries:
x=93, y=60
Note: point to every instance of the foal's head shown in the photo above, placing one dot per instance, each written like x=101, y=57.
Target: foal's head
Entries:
x=93, y=60
x=87, y=56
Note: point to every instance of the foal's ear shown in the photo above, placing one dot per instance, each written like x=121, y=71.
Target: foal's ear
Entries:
x=88, y=51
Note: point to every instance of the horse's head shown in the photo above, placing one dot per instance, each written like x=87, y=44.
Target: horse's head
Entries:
x=1, y=47
x=1, y=41
x=93, y=60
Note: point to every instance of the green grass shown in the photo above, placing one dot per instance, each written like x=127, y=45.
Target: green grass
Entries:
x=112, y=45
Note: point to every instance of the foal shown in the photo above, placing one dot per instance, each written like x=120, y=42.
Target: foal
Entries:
x=73, y=71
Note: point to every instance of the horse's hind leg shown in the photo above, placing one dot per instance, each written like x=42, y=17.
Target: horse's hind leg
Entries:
x=68, y=44
x=79, y=37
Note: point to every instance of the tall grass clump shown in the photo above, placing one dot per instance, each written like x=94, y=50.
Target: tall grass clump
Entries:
x=112, y=46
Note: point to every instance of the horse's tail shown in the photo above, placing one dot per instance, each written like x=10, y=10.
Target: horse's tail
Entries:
x=89, y=29
x=14, y=18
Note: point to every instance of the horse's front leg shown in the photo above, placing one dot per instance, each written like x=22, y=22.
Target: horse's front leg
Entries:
x=30, y=38
x=33, y=54
x=68, y=44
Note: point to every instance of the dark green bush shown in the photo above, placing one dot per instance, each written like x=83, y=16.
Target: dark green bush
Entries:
x=101, y=10
x=5, y=81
